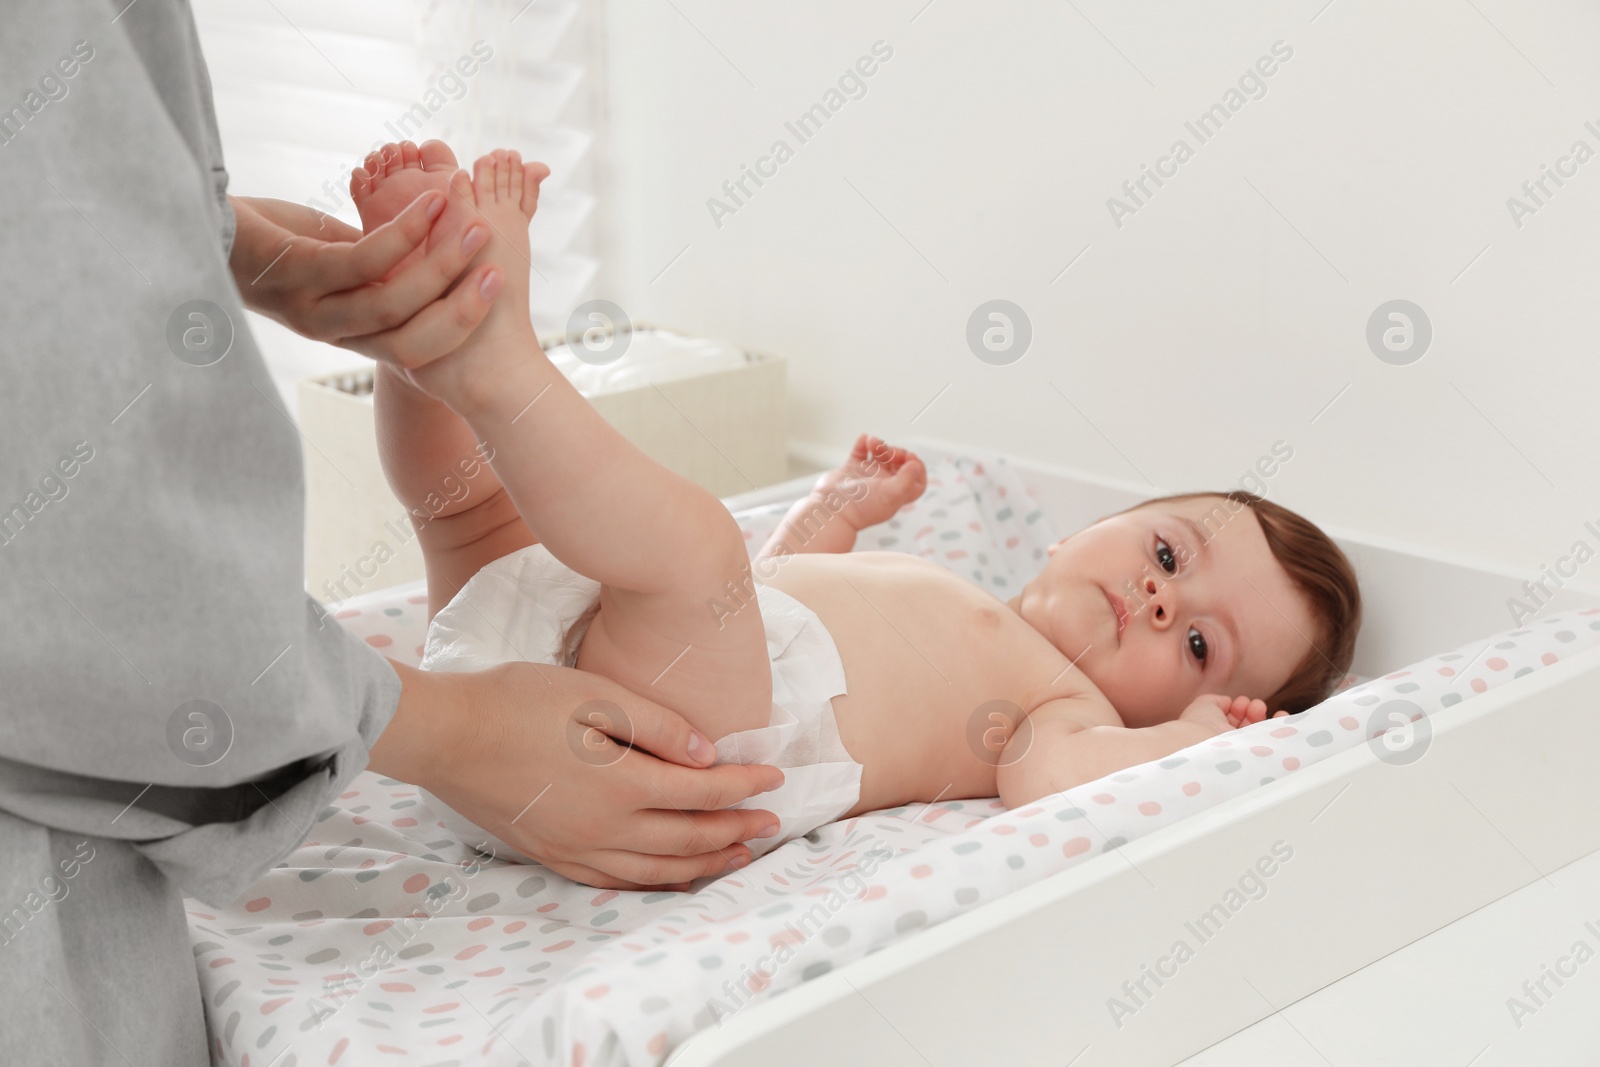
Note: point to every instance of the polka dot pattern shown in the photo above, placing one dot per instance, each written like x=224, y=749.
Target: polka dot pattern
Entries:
x=382, y=938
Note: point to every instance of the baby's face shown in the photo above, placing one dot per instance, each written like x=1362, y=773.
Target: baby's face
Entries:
x=1203, y=605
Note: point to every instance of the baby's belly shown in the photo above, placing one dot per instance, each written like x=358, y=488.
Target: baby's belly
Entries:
x=937, y=671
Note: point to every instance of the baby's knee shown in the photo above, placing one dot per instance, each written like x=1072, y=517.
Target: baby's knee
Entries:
x=716, y=551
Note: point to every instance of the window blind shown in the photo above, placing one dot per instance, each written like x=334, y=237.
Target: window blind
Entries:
x=305, y=89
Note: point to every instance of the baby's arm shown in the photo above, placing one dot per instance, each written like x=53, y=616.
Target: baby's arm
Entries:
x=868, y=488
x=1075, y=739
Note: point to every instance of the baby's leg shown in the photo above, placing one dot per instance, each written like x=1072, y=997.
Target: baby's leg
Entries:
x=434, y=463
x=438, y=469
x=665, y=551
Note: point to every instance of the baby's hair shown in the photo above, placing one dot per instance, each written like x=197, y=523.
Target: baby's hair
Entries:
x=1323, y=574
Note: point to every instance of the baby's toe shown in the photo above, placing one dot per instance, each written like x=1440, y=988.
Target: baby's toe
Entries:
x=483, y=169
x=514, y=177
x=532, y=175
x=502, y=173
x=436, y=155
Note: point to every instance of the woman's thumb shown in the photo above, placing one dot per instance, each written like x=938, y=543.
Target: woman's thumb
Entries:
x=667, y=735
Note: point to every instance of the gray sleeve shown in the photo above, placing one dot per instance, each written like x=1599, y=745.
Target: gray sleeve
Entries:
x=168, y=680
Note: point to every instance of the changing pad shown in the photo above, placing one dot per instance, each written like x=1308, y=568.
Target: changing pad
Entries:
x=383, y=936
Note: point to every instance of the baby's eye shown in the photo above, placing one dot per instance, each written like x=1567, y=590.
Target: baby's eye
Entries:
x=1164, y=555
x=1197, y=644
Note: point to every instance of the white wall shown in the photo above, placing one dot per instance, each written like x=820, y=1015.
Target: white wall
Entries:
x=1212, y=323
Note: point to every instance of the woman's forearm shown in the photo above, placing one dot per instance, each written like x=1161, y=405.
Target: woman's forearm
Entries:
x=429, y=729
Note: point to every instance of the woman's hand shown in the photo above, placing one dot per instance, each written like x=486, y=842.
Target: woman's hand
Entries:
x=328, y=282
x=530, y=752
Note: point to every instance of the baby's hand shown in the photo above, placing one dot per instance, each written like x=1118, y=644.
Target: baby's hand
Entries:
x=1221, y=714
x=875, y=482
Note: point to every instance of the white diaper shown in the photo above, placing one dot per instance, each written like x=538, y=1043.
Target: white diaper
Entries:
x=522, y=607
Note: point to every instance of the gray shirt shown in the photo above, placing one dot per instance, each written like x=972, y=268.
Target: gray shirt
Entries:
x=176, y=711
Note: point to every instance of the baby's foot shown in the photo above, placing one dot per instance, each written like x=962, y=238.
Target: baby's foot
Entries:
x=506, y=193
x=390, y=179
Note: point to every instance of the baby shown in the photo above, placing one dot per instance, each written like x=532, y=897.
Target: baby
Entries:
x=873, y=678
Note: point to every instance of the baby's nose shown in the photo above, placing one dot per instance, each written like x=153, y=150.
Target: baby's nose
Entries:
x=1161, y=601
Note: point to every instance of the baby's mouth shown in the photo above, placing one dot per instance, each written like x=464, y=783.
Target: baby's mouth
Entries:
x=1119, y=608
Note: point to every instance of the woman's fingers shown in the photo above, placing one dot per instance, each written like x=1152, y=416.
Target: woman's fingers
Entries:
x=416, y=285
x=437, y=329
x=361, y=295
x=579, y=872
x=379, y=308
x=349, y=266
x=666, y=735
x=666, y=832
x=655, y=871
x=300, y=219
x=666, y=754
x=666, y=785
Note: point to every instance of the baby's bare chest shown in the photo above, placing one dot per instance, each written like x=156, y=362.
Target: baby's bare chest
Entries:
x=918, y=640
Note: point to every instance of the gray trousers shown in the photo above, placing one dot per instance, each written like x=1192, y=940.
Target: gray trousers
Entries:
x=176, y=711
